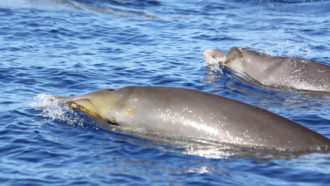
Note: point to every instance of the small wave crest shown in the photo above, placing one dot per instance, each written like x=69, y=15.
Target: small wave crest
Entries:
x=52, y=109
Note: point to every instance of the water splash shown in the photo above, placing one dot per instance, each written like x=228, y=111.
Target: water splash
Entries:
x=52, y=109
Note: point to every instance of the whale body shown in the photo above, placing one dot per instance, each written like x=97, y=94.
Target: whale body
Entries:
x=179, y=112
x=274, y=71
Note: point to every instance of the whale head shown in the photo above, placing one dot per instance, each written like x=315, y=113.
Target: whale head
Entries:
x=214, y=56
x=84, y=105
x=93, y=104
x=233, y=59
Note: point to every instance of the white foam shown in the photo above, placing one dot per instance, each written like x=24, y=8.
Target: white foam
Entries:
x=55, y=111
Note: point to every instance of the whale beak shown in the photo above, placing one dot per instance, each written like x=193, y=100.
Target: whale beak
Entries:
x=83, y=105
x=215, y=57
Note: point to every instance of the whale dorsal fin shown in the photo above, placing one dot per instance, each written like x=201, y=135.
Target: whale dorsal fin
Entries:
x=233, y=54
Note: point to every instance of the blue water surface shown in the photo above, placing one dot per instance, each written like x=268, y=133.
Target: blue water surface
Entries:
x=71, y=47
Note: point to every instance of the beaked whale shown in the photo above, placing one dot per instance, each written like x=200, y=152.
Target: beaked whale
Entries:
x=273, y=71
x=180, y=112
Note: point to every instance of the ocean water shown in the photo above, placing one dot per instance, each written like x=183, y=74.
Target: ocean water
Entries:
x=71, y=47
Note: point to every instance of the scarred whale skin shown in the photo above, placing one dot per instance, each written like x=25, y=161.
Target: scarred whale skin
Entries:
x=274, y=71
x=179, y=112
